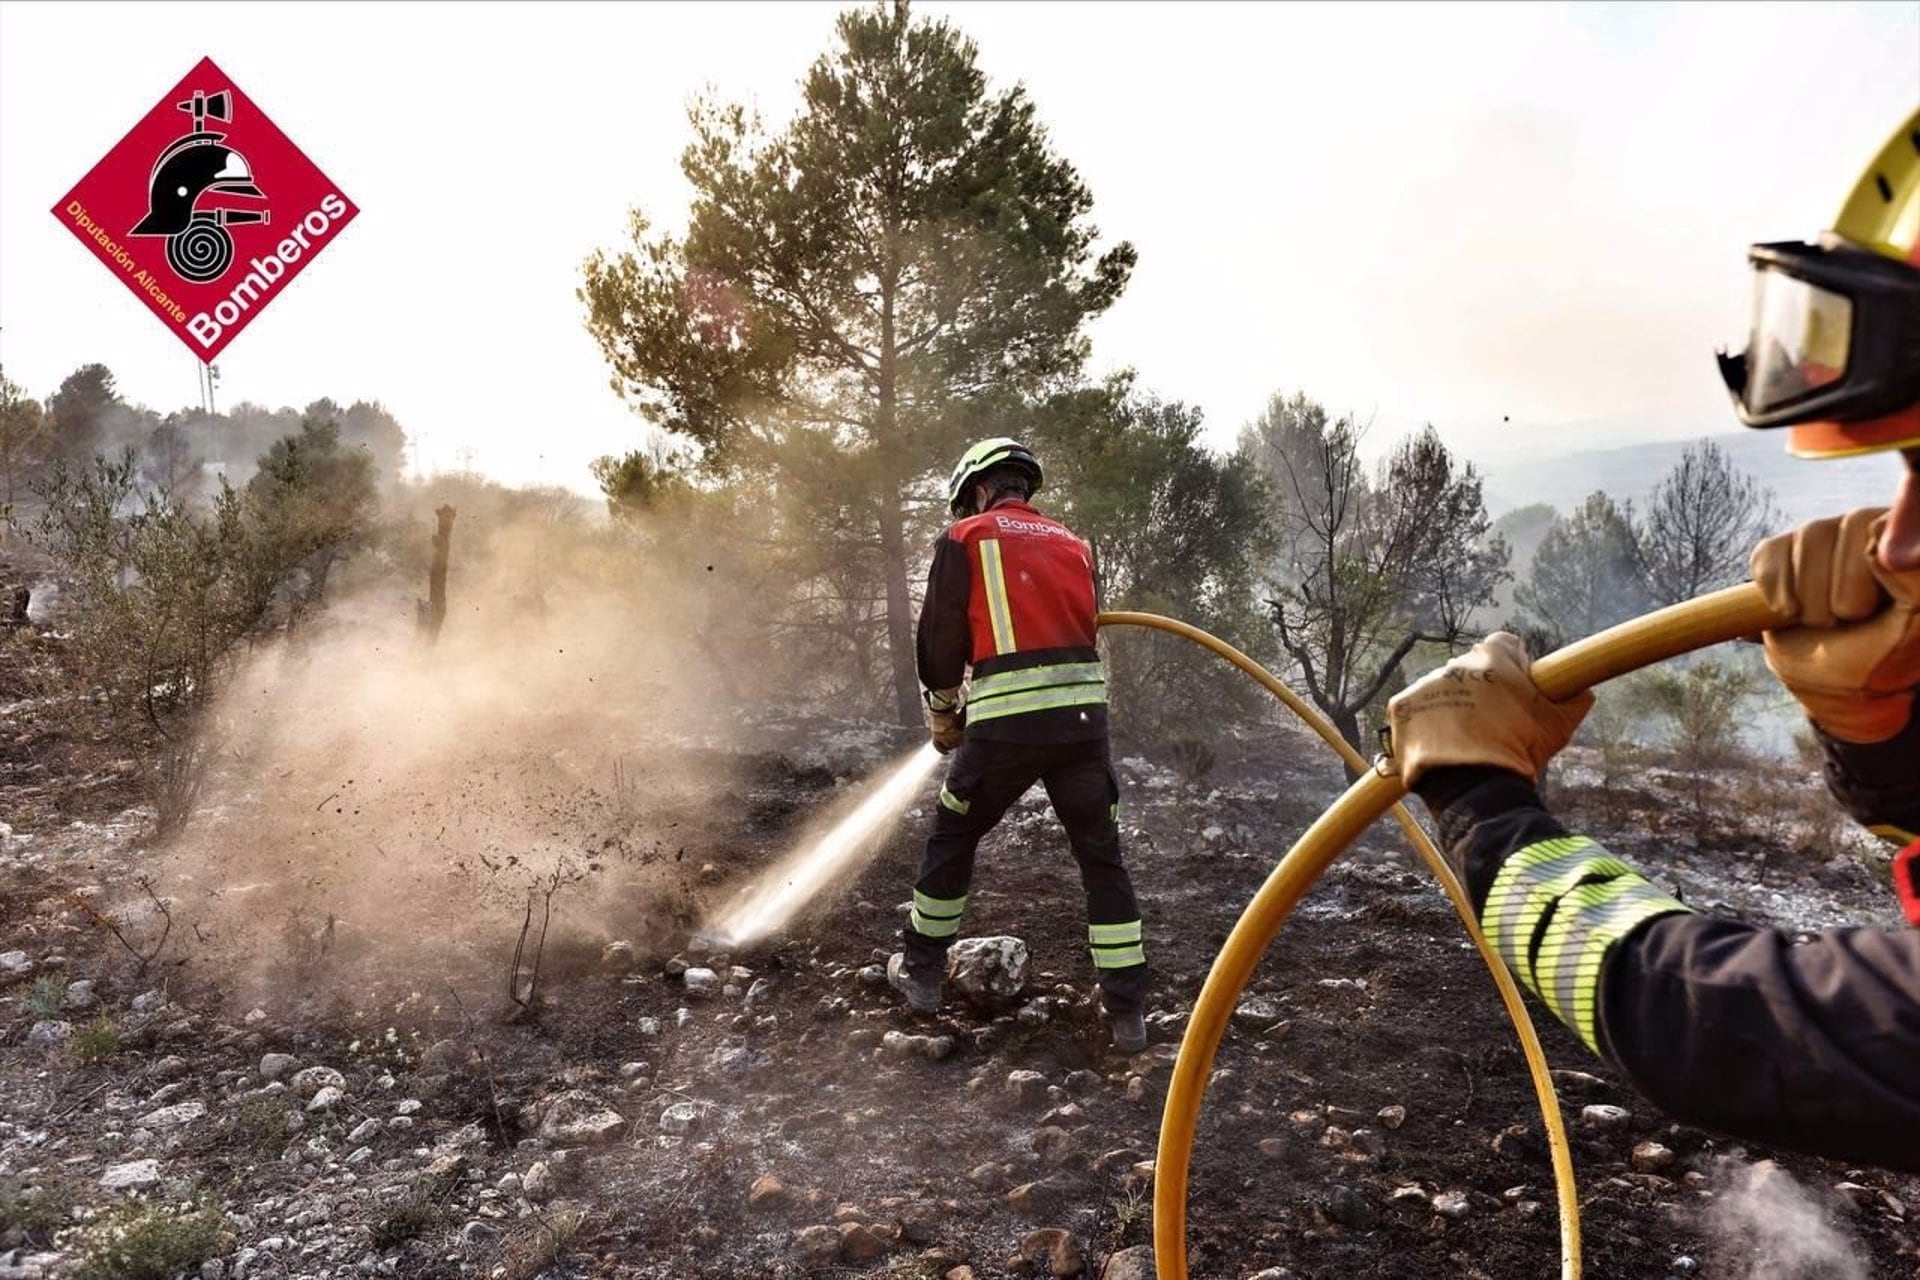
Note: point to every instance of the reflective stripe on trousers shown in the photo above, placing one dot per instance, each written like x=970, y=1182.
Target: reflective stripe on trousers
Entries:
x=936, y=917
x=1115, y=946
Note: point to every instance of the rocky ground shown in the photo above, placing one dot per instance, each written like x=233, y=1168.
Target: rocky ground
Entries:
x=381, y=1108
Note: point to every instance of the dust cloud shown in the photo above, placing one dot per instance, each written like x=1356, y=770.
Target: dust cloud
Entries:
x=377, y=802
x=1768, y=1227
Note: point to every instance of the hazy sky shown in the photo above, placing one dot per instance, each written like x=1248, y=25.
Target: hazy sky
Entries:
x=1454, y=214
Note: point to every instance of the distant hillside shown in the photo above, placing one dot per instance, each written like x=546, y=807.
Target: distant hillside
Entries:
x=1802, y=489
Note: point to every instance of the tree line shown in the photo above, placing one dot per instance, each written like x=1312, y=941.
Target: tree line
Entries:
x=167, y=566
x=183, y=452
x=907, y=265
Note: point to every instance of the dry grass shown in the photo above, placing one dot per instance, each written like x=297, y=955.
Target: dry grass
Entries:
x=537, y=1244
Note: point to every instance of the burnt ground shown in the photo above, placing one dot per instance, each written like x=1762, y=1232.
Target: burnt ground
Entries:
x=800, y=1119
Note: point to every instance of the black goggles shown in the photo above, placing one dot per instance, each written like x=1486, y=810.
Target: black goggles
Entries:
x=1835, y=337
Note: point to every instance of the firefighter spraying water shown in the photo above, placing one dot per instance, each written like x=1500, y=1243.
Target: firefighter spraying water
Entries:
x=797, y=879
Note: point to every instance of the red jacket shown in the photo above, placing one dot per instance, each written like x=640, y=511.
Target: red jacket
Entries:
x=1010, y=594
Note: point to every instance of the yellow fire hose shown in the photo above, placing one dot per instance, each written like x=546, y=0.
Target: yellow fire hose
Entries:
x=1711, y=619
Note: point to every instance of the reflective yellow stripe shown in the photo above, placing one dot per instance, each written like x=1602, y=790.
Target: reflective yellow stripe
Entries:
x=999, y=611
x=948, y=800
x=1576, y=900
x=1898, y=835
x=1001, y=683
x=936, y=917
x=1038, y=700
x=1128, y=931
x=1115, y=946
x=1590, y=920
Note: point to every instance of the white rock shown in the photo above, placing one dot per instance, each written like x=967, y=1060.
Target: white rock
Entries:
x=79, y=995
x=701, y=982
x=180, y=1113
x=988, y=971
x=312, y=1080
x=1601, y=1115
x=17, y=1264
x=326, y=1099
x=578, y=1117
x=647, y=1026
x=135, y=1173
x=538, y=1184
x=1410, y=1195
x=149, y=1001
x=680, y=1117
x=13, y=963
x=931, y=1047
x=51, y=1032
x=366, y=1131
x=1256, y=1013
x=1026, y=1086
x=275, y=1065
x=1651, y=1157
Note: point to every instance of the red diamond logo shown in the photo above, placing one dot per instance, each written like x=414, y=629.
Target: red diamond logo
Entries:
x=205, y=210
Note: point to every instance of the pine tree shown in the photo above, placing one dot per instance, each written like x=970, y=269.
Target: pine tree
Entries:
x=906, y=266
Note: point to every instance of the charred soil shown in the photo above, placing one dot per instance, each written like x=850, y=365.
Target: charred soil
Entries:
x=377, y=1105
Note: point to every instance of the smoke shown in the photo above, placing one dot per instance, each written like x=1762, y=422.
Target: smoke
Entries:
x=1767, y=1227
x=379, y=803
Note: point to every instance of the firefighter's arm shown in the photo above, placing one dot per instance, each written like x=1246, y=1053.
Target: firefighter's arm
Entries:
x=943, y=643
x=1717, y=1022
x=1470, y=739
x=1878, y=783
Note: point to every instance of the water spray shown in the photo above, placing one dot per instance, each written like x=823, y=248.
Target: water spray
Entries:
x=792, y=883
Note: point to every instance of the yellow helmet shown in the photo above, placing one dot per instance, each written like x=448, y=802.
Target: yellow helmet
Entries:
x=1834, y=349
x=982, y=457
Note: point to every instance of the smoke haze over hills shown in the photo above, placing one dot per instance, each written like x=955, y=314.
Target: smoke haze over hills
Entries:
x=1803, y=489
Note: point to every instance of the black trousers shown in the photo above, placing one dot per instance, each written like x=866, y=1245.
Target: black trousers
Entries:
x=984, y=780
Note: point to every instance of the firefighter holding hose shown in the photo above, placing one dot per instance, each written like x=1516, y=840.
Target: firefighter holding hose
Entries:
x=1010, y=594
x=1720, y=1023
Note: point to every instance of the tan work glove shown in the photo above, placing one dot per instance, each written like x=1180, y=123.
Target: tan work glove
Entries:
x=946, y=719
x=1852, y=657
x=1481, y=708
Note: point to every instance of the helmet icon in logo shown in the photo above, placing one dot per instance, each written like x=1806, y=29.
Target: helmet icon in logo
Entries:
x=198, y=245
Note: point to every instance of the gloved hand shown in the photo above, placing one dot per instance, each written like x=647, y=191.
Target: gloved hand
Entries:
x=946, y=719
x=1852, y=658
x=1481, y=708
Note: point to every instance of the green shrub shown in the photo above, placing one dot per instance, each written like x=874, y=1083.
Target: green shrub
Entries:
x=48, y=995
x=35, y=1212
x=148, y=1242
x=95, y=1042
x=414, y=1216
x=259, y=1124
